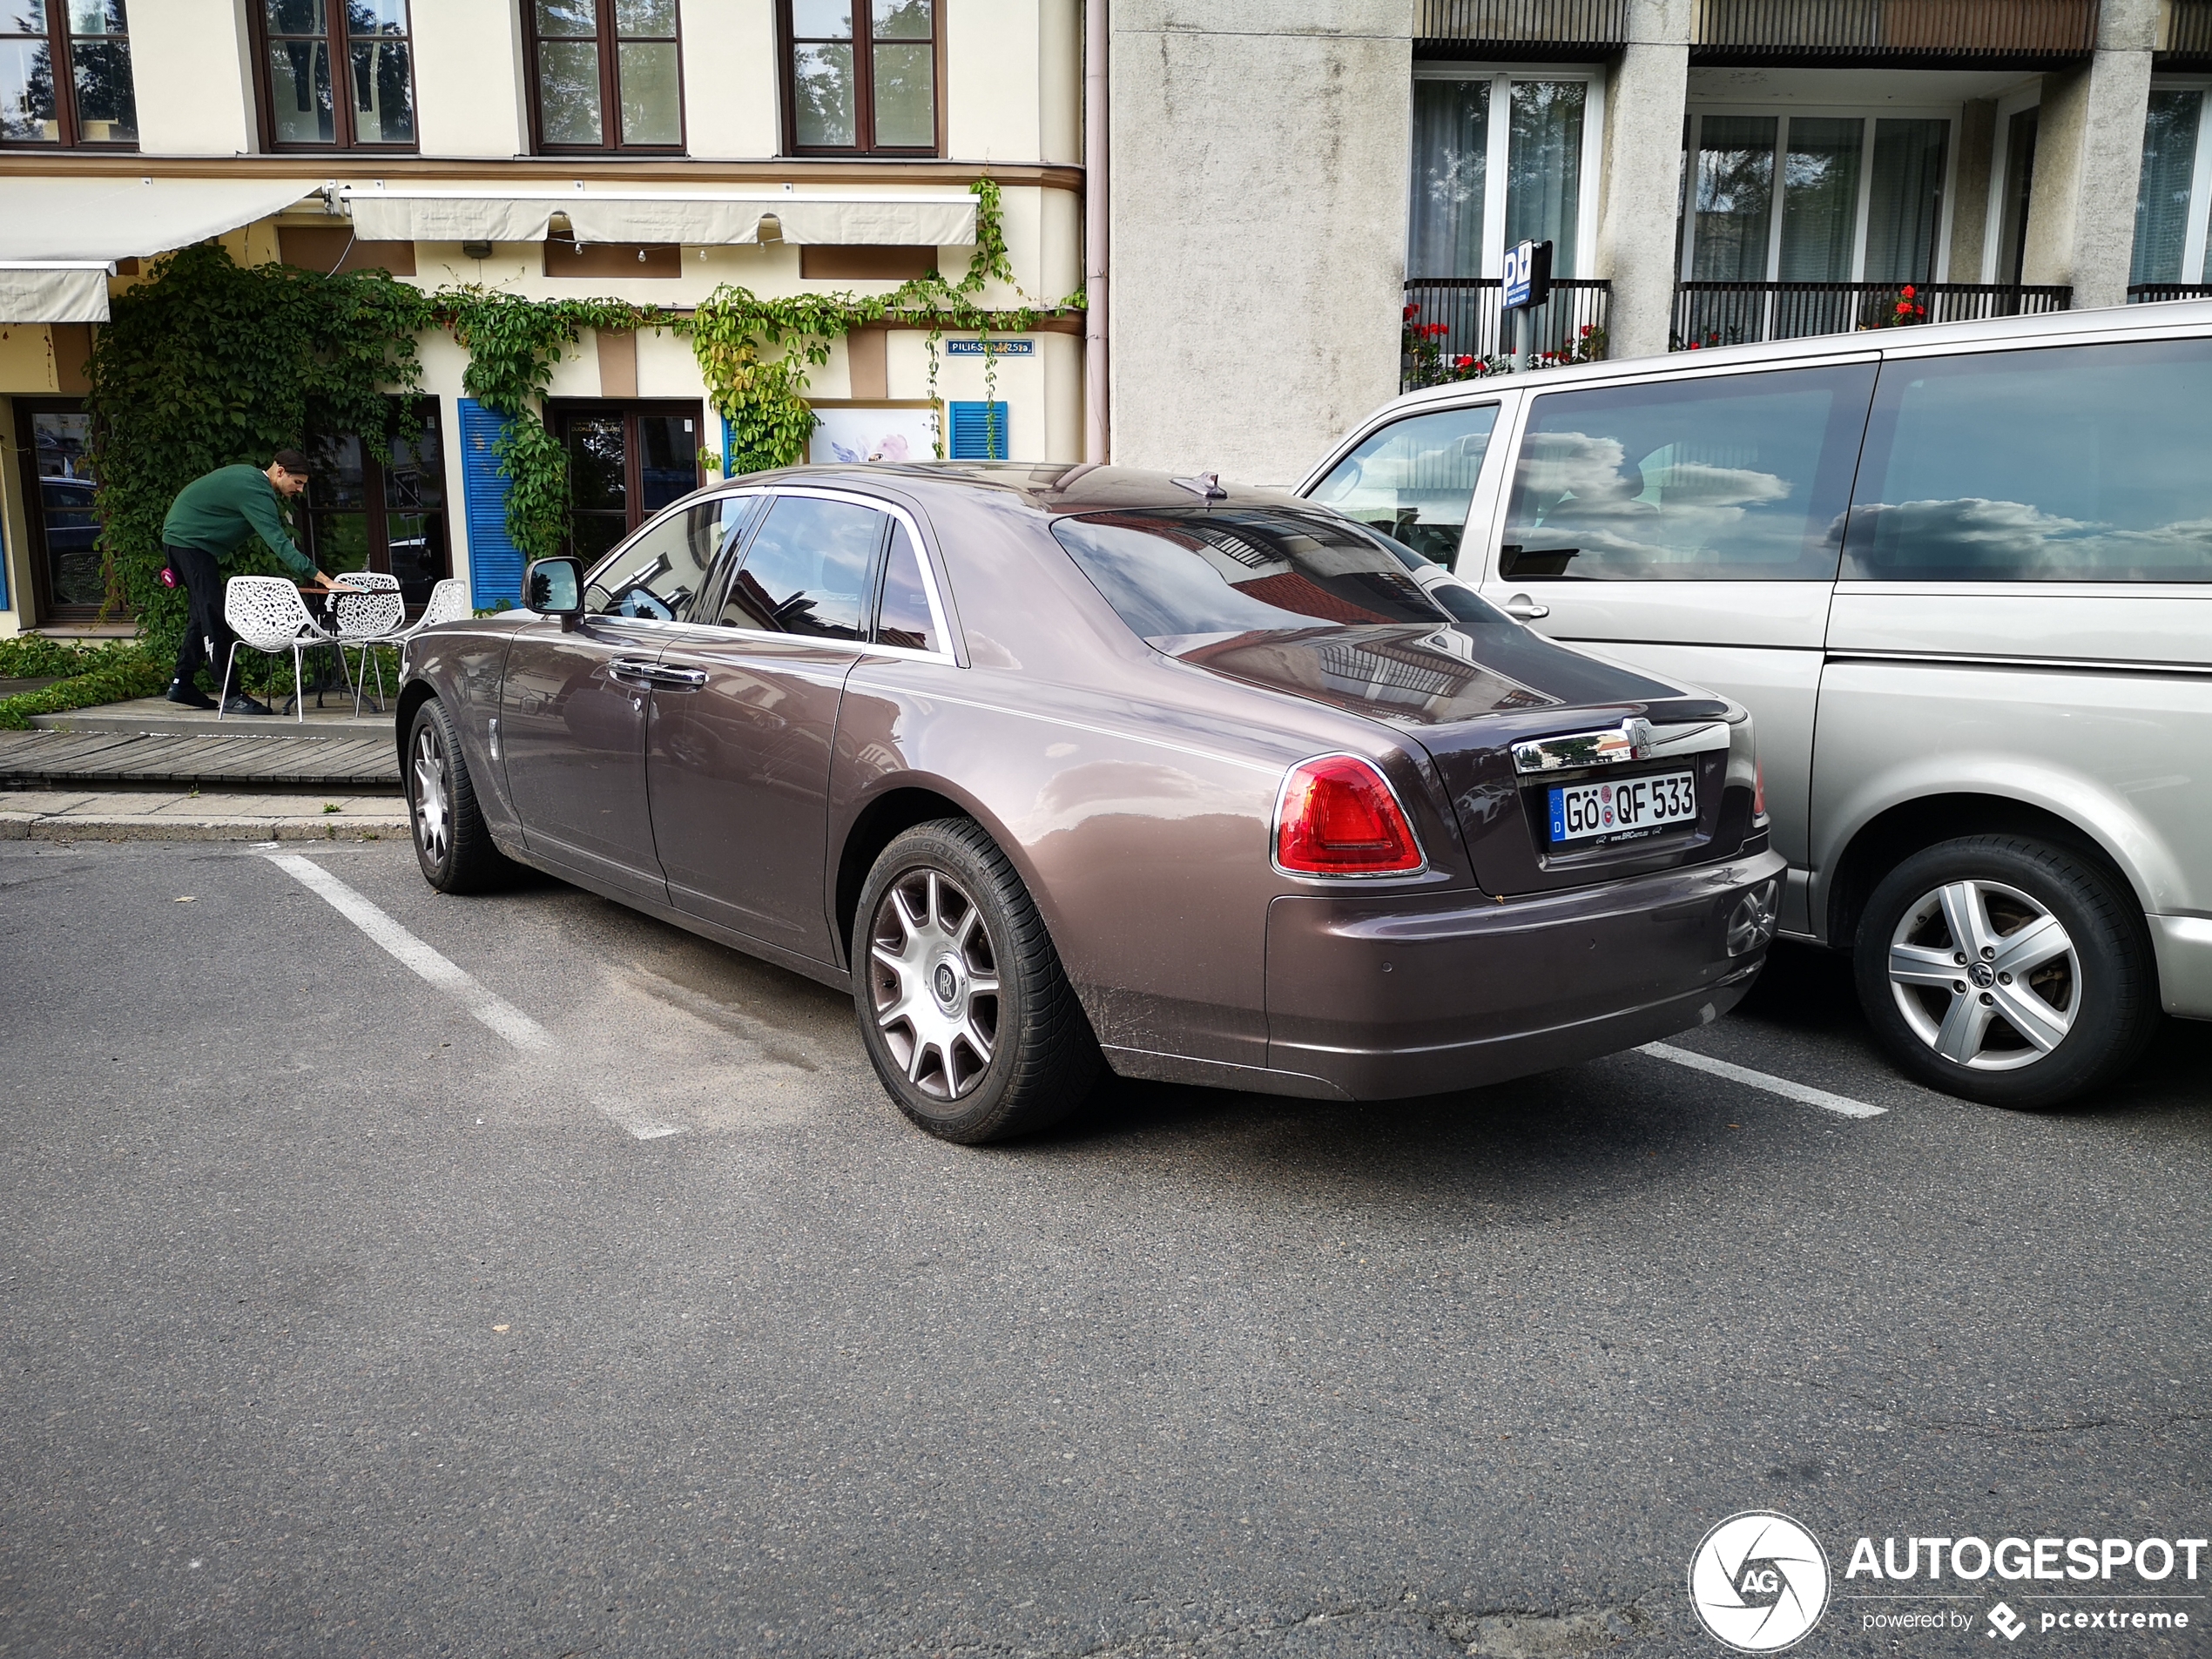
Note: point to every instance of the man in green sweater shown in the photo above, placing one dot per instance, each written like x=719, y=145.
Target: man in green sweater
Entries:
x=211, y=519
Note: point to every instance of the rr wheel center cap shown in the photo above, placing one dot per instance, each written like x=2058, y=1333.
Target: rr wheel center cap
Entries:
x=946, y=981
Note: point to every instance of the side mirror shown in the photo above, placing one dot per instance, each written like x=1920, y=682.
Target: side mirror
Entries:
x=555, y=588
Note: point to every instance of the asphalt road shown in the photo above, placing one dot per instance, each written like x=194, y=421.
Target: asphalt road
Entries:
x=337, y=1323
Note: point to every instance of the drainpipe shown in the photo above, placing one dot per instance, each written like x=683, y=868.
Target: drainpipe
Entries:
x=1097, y=414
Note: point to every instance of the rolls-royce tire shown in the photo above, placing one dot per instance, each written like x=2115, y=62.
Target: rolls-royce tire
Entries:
x=968, y=1016
x=2006, y=970
x=451, y=843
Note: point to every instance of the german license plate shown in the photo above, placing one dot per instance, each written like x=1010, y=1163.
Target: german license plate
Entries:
x=1626, y=811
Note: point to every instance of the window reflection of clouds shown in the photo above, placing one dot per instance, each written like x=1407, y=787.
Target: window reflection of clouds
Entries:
x=2080, y=463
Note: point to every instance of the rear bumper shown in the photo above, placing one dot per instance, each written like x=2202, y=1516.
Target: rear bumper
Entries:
x=1389, y=996
x=2183, y=945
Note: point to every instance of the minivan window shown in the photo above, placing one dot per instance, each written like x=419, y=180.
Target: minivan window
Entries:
x=1172, y=573
x=2071, y=464
x=1741, y=477
x=1413, y=479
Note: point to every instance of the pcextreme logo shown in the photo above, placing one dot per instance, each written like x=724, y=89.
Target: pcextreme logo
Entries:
x=1759, y=1582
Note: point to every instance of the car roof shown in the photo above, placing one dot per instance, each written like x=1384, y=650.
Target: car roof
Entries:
x=2054, y=327
x=1050, y=490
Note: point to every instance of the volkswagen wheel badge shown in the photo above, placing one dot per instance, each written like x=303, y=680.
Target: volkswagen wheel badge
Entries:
x=1759, y=1582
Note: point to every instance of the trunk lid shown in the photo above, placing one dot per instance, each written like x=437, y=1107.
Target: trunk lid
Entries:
x=1509, y=718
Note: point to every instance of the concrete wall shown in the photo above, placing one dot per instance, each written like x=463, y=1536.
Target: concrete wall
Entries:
x=2089, y=159
x=1259, y=161
x=1640, y=175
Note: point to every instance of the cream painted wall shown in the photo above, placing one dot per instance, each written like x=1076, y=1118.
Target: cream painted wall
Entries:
x=1060, y=81
x=189, y=60
x=26, y=360
x=730, y=99
x=468, y=84
x=991, y=80
x=1257, y=282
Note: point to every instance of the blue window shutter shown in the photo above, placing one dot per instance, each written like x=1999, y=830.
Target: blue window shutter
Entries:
x=979, y=432
x=495, y=563
x=729, y=448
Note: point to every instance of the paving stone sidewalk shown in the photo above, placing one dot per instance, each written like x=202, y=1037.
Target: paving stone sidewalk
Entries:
x=159, y=815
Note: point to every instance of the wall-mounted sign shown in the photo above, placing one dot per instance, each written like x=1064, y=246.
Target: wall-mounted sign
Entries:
x=998, y=348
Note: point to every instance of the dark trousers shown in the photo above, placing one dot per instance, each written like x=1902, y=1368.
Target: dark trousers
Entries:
x=208, y=637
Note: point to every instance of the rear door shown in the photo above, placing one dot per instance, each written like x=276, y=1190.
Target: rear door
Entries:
x=1692, y=525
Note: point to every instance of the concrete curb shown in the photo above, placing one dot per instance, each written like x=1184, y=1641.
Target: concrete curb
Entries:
x=85, y=826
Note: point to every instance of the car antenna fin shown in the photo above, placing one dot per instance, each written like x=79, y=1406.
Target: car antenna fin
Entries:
x=1206, y=486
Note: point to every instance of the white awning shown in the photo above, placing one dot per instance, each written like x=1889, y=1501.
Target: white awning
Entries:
x=933, y=218
x=57, y=236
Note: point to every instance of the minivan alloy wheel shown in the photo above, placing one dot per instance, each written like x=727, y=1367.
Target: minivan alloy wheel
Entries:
x=933, y=973
x=1985, y=976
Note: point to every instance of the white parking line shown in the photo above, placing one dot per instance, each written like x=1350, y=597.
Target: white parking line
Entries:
x=1844, y=1105
x=501, y=1015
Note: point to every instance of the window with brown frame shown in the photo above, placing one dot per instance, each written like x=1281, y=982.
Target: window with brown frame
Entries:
x=66, y=75
x=605, y=75
x=334, y=74
x=860, y=77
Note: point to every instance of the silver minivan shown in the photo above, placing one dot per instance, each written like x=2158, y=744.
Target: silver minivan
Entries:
x=1962, y=576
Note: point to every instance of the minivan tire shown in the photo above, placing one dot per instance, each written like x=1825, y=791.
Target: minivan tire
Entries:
x=451, y=841
x=2095, y=1000
x=943, y=915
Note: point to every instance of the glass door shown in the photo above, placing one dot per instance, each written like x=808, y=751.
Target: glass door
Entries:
x=626, y=462
x=55, y=437
x=377, y=506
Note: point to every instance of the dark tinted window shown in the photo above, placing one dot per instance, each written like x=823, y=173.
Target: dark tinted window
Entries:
x=902, y=618
x=659, y=574
x=1741, y=478
x=1232, y=571
x=2080, y=463
x=807, y=571
x=1413, y=479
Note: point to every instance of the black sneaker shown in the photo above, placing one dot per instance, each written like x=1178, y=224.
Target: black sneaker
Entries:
x=241, y=704
x=190, y=697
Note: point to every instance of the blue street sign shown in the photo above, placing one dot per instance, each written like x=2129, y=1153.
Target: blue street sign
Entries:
x=1528, y=275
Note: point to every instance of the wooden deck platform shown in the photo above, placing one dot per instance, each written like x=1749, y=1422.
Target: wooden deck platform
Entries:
x=265, y=759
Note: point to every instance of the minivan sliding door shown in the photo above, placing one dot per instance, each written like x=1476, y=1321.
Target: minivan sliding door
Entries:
x=1692, y=525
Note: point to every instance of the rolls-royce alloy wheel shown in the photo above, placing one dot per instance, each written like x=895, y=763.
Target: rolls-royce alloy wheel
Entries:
x=967, y=1017
x=2006, y=970
x=451, y=843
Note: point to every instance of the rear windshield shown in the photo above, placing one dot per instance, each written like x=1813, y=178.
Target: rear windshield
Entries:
x=1177, y=572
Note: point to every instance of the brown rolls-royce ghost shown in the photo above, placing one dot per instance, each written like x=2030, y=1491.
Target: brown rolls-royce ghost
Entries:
x=1065, y=768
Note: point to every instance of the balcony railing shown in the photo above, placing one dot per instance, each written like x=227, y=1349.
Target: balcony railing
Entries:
x=2150, y=293
x=1894, y=32
x=1728, y=314
x=1470, y=313
x=1505, y=26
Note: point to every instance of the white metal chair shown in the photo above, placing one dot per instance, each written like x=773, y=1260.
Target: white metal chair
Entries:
x=267, y=615
x=373, y=615
x=448, y=603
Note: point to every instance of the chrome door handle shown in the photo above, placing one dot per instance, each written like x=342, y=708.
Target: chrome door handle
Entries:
x=636, y=670
x=678, y=679
x=1521, y=607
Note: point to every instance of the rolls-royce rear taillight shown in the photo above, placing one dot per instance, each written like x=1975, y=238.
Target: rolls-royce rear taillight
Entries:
x=1337, y=815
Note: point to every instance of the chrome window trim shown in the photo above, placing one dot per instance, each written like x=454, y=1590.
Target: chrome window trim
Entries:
x=923, y=557
x=1275, y=825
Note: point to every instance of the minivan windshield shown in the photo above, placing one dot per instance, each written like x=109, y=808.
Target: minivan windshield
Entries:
x=1174, y=573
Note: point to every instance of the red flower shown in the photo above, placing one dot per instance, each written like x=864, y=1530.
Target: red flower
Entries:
x=1463, y=363
x=1411, y=310
x=1693, y=345
x=1908, y=290
x=1588, y=329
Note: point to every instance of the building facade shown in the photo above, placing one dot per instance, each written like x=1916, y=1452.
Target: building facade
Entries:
x=1706, y=171
x=639, y=149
